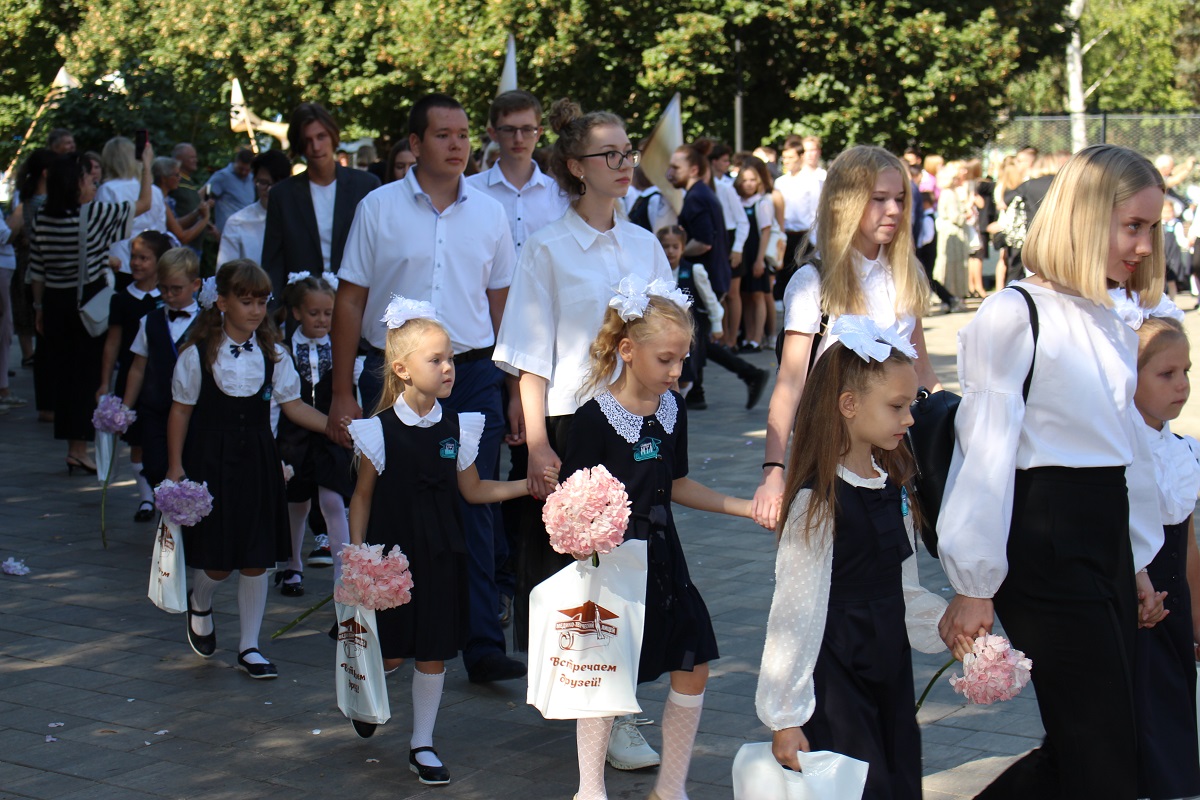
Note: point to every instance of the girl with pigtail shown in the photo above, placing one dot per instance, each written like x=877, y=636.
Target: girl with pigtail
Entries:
x=837, y=665
x=414, y=461
x=636, y=426
x=219, y=432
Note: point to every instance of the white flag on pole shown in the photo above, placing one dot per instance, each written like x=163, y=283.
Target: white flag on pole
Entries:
x=657, y=148
x=508, y=75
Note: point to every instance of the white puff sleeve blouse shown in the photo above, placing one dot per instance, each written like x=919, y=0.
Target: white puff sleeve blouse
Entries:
x=367, y=433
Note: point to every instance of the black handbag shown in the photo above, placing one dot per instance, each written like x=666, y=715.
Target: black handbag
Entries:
x=931, y=440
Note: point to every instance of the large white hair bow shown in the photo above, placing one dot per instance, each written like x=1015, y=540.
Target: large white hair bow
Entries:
x=402, y=309
x=1133, y=315
x=207, y=298
x=872, y=343
x=296, y=277
x=633, y=296
x=332, y=279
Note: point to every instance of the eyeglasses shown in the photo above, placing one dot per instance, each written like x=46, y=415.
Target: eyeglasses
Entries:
x=510, y=131
x=173, y=289
x=261, y=184
x=617, y=160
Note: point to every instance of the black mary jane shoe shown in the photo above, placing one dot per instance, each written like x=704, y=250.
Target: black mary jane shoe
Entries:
x=204, y=646
x=430, y=776
x=257, y=671
x=293, y=589
x=365, y=730
x=145, y=512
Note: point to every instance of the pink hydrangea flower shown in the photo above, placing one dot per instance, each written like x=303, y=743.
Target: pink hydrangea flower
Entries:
x=184, y=503
x=992, y=671
x=587, y=514
x=373, y=580
x=112, y=416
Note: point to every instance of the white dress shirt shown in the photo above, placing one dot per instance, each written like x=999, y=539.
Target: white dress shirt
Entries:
x=802, y=300
x=399, y=244
x=567, y=274
x=323, y=198
x=529, y=208
x=1176, y=471
x=240, y=376
x=734, y=213
x=1080, y=413
x=800, y=195
x=243, y=235
x=367, y=433
x=176, y=327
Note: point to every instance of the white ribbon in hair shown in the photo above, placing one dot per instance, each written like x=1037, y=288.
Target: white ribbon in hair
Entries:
x=1133, y=315
x=402, y=309
x=207, y=298
x=331, y=279
x=296, y=277
x=633, y=296
x=872, y=343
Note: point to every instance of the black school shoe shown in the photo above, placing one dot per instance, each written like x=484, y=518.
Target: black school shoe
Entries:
x=145, y=512
x=257, y=671
x=295, y=589
x=754, y=387
x=495, y=667
x=204, y=646
x=365, y=730
x=430, y=776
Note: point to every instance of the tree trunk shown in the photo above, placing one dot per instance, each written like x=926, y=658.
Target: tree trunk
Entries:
x=1075, y=95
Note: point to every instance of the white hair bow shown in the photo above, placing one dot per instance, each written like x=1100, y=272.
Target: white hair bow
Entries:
x=402, y=309
x=633, y=296
x=1132, y=314
x=872, y=343
x=207, y=298
x=332, y=279
x=296, y=277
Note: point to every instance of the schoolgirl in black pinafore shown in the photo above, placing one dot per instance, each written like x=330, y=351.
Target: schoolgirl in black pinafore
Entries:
x=317, y=460
x=229, y=445
x=751, y=284
x=863, y=675
x=415, y=505
x=647, y=454
x=127, y=311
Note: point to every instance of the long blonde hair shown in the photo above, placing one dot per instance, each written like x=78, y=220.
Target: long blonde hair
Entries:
x=603, y=355
x=847, y=191
x=401, y=343
x=1068, y=239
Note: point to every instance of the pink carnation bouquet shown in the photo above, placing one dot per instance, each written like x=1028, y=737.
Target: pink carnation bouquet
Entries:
x=992, y=671
x=184, y=503
x=587, y=514
x=373, y=580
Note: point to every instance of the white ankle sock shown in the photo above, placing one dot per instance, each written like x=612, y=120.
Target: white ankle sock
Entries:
x=681, y=719
x=203, y=588
x=252, y=604
x=591, y=741
x=333, y=508
x=297, y=517
x=145, y=493
x=426, y=698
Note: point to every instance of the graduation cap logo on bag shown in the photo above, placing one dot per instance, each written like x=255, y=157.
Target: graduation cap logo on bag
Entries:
x=587, y=627
x=352, y=637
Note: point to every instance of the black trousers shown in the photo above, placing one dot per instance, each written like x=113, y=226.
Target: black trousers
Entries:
x=1070, y=603
x=72, y=360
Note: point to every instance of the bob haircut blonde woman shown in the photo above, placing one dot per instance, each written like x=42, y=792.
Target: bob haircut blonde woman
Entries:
x=117, y=159
x=1068, y=240
x=848, y=189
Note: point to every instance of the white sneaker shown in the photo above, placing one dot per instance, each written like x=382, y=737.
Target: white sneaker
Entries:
x=627, y=748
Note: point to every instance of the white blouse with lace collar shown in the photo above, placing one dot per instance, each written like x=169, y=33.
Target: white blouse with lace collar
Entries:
x=368, y=433
x=629, y=425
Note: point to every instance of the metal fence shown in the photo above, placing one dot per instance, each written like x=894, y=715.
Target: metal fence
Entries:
x=1149, y=134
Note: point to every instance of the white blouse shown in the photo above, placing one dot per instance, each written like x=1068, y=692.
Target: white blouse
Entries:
x=786, y=696
x=802, y=300
x=1080, y=414
x=1177, y=472
x=368, y=433
x=237, y=377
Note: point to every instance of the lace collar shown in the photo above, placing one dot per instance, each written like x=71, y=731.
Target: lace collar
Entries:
x=629, y=425
x=855, y=479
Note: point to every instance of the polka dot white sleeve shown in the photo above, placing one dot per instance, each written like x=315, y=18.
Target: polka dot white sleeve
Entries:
x=786, y=696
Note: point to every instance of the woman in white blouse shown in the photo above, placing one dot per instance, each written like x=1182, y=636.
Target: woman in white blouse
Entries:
x=1050, y=507
x=867, y=266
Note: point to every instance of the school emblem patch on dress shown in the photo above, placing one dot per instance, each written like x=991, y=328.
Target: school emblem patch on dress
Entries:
x=646, y=449
x=266, y=395
x=449, y=448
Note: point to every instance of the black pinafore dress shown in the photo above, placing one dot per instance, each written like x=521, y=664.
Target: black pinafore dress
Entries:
x=229, y=446
x=865, y=703
x=415, y=505
x=316, y=459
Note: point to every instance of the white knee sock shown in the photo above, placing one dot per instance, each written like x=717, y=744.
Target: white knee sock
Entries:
x=681, y=719
x=591, y=740
x=333, y=508
x=426, y=698
x=145, y=493
x=203, y=588
x=297, y=516
x=252, y=604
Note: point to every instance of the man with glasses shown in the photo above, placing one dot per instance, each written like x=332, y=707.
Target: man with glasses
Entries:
x=244, y=230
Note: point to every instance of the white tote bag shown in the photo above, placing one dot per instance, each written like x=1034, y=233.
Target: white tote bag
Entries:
x=361, y=687
x=168, y=582
x=585, y=636
x=106, y=445
x=823, y=776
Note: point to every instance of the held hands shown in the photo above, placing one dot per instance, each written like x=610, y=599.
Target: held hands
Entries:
x=965, y=619
x=1150, y=602
x=342, y=411
x=542, y=460
x=768, y=498
x=786, y=743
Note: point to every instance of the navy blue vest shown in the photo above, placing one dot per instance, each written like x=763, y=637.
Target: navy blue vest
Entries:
x=160, y=364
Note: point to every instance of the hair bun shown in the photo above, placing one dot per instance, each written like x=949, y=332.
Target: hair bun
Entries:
x=563, y=113
x=703, y=145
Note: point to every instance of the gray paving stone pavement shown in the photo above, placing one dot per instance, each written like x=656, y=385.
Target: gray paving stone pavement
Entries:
x=143, y=717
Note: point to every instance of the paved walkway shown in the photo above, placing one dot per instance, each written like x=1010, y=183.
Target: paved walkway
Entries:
x=136, y=714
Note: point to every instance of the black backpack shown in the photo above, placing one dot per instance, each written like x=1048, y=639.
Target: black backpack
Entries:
x=931, y=440
x=639, y=212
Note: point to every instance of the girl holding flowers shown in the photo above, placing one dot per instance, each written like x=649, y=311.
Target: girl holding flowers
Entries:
x=636, y=427
x=219, y=432
x=415, y=462
x=837, y=666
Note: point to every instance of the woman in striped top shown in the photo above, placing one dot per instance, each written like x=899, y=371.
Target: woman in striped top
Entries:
x=55, y=239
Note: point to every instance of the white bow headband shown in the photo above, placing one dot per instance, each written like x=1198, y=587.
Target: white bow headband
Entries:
x=328, y=277
x=870, y=342
x=207, y=298
x=633, y=296
x=1133, y=315
x=402, y=309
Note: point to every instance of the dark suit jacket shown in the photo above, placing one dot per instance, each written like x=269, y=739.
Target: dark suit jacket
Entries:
x=291, y=242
